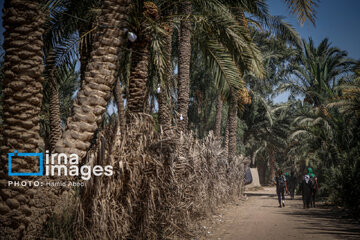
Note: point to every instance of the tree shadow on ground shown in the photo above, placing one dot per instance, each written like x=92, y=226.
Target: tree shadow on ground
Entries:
x=255, y=194
x=322, y=220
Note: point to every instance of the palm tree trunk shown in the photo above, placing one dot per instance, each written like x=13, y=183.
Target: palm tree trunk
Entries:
x=232, y=121
x=22, y=89
x=55, y=128
x=164, y=110
x=162, y=97
x=218, y=116
x=89, y=105
x=184, y=64
x=139, y=63
x=120, y=105
x=139, y=76
x=93, y=96
x=54, y=105
x=272, y=163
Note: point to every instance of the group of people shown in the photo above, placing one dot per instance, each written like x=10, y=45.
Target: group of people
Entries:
x=286, y=183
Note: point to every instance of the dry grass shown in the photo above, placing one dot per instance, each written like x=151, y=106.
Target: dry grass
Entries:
x=162, y=184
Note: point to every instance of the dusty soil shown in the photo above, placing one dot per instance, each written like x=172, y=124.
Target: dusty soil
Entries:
x=259, y=217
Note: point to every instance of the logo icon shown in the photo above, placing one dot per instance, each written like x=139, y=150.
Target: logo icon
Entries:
x=40, y=155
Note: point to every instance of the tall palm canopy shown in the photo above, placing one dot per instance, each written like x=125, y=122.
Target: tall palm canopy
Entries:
x=177, y=99
x=318, y=70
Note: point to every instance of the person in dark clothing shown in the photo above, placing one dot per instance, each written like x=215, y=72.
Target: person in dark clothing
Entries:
x=315, y=186
x=291, y=182
x=281, y=187
x=307, y=189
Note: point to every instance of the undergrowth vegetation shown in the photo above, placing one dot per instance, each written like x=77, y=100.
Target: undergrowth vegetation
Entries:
x=164, y=182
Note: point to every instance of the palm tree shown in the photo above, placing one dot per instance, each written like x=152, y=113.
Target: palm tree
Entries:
x=348, y=102
x=91, y=100
x=59, y=86
x=214, y=28
x=55, y=128
x=140, y=57
x=276, y=135
x=184, y=63
x=327, y=138
x=317, y=72
x=94, y=93
x=276, y=54
x=219, y=105
x=219, y=53
x=214, y=18
x=232, y=128
x=251, y=65
x=22, y=89
x=313, y=134
x=164, y=114
x=1, y=95
x=303, y=9
x=71, y=29
x=267, y=128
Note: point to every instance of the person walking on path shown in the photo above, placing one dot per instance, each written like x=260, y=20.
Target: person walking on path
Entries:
x=281, y=187
x=306, y=187
x=291, y=183
x=315, y=186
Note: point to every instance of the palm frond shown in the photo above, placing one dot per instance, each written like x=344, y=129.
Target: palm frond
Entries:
x=303, y=9
x=226, y=73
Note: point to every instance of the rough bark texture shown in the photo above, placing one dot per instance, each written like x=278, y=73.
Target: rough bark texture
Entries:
x=22, y=88
x=139, y=64
x=100, y=75
x=218, y=116
x=90, y=104
x=162, y=97
x=54, y=105
x=232, y=121
x=164, y=110
x=55, y=128
x=120, y=105
x=146, y=104
x=184, y=64
x=138, y=77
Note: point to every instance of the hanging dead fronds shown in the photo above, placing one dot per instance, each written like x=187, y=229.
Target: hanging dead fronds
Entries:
x=162, y=184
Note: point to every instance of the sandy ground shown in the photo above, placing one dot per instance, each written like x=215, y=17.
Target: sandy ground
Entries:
x=259, y=217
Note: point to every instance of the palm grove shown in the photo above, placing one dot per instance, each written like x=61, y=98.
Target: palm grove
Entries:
x=192, y=83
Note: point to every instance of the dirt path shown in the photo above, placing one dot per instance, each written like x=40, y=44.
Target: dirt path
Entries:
x=260, y=218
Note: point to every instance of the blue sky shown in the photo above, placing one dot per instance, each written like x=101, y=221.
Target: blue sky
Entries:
x=338, y=20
